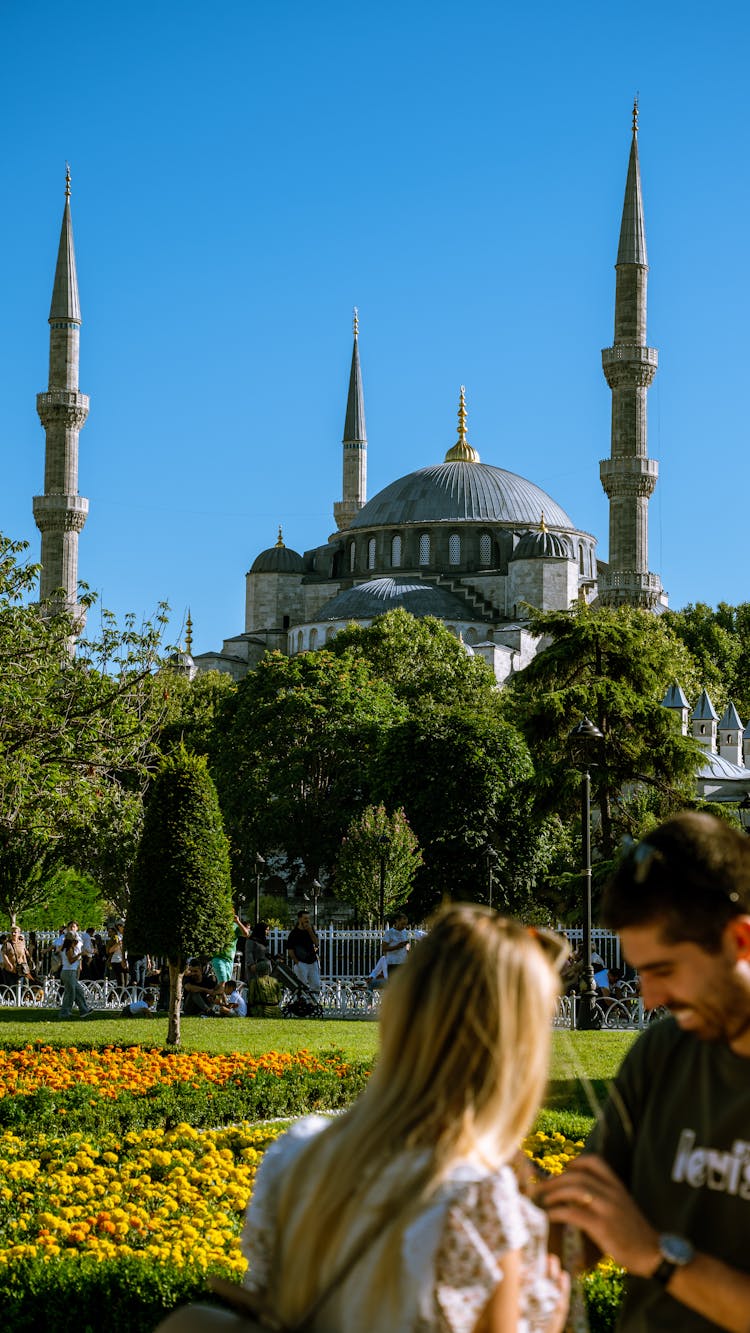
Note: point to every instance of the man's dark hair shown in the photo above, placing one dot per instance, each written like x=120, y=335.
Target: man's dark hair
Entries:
x=690, y=875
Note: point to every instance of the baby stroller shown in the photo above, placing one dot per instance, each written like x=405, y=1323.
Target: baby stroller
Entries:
x=299, y=1001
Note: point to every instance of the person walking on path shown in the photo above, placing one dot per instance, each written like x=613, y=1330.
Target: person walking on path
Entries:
x=71, y=955
x=665, y=1187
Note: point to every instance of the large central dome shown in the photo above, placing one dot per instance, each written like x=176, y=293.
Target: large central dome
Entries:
x=458, y=492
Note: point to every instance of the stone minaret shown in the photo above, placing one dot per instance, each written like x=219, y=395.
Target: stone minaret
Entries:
x=355, y=444
x=629, y=475
x=61, y=512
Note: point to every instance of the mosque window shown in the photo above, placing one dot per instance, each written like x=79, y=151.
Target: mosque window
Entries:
x=313, y=638
x=330, y=633
x=371, y=553
x=396, y=550
x=471, y=635
x=485, y=548
x=352, y=555
x=454, y=549
x=285, y=623
x=300, y=641
x=581, y=555
x=424, y=548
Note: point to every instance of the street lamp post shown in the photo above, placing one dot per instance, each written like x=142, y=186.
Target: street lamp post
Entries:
x=316, y=888
x=382, y=847
x=582, y=741
x=259, y=863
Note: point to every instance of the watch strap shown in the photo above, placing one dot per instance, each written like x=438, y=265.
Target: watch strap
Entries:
x=664, y=1271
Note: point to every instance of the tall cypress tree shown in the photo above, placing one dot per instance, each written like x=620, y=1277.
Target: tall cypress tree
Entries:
x=181, y=900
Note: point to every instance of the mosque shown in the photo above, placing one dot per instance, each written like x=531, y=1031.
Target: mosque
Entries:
x=461, y=539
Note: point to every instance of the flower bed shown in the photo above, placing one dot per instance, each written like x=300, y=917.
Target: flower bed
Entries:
x=116, y=1089
x=105, y=1224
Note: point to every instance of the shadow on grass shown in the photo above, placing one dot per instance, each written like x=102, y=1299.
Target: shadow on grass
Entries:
x=568, y=1094
x=32, y=1015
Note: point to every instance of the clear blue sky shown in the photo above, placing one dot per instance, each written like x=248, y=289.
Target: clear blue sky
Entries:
x=245, y=173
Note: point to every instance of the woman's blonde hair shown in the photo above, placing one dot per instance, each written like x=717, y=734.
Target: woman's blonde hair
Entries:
x=464, y=1054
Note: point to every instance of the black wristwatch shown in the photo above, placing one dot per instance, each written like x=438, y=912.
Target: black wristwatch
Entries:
x=676, y=1252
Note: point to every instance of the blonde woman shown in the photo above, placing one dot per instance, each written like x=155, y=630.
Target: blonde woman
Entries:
x=404, y=1214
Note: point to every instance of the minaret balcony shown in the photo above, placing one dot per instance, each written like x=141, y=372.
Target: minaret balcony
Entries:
x=629, y=363
x=623, y=476
x=61, y=405
x=60, y=513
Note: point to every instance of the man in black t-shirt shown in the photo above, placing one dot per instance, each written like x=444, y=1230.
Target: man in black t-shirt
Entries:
x=302, y=948
x=665, y=1188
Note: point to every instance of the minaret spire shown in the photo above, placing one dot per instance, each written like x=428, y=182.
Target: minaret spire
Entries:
x=629, y=475
x=354, y=443
x=60, y=512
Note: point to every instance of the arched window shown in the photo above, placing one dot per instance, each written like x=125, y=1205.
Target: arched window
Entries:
x=313, y=638
x=371, y=553
x=471, y=635
x=330, y=633
x=424, y=548
x=300, y=641
x=485, y=548
x=352, y=555
x=581, y=565
x=396, y=550
x=454, y=549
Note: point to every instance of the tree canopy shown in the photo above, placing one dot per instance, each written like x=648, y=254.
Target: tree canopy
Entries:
x=181, y=900
x=612, y=665
x=74, y=729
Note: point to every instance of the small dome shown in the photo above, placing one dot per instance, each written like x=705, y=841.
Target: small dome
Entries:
x=543, y=545
x=366, y=600
x=182, y=661
x=278, y=560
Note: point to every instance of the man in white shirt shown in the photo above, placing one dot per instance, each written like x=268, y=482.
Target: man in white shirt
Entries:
x=396, y=942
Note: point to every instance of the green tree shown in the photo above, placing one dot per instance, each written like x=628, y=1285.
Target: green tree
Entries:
x=73, y=727
x=377, y=847
x=191, y=708
x=613, y=666
x=463, y=778
x=181, y=900
x=294, y=750
x=719, y=641
x=420, y=659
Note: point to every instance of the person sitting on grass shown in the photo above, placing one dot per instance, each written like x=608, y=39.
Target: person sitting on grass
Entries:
x=230, y=997
x=263, y=994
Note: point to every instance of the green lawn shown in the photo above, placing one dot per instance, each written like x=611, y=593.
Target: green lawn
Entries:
x=576, y=1056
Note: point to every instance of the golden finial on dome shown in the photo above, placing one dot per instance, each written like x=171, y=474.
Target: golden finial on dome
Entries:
x=462, y=451
x=67, y=180
x=356, y=322
x=635, y=114
x=189, y=634
x=542, y=524
x=280, y=539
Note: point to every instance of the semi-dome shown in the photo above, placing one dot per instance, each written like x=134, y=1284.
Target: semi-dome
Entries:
x=278, y=560
x=461, y=492
x=366, y=600
x=543, y=545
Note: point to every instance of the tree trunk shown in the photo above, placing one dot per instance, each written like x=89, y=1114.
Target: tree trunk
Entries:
x=175, y=1001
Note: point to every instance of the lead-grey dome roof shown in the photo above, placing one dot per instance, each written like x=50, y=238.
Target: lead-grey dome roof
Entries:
x=278, y=560
x=458, y=492
x=543, y=545
x=366, y=600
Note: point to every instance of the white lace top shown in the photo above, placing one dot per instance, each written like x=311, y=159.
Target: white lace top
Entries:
x=450, y=1253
